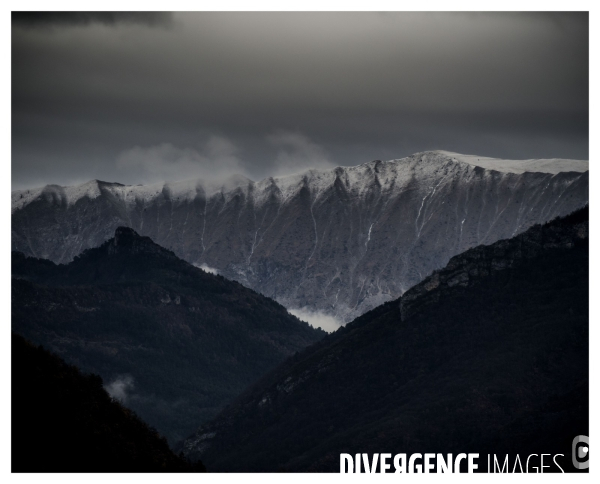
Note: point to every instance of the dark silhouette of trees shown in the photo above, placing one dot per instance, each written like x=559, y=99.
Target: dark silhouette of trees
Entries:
x=64, y=421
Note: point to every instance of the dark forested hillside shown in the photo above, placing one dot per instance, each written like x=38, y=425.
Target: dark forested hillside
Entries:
x=64, y=421
x=488, y=355
x=171, y=341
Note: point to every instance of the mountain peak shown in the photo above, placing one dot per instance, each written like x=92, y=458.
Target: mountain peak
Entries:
x=127, y=240
x=125, y=234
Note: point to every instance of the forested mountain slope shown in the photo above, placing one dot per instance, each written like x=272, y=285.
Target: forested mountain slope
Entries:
x=488, y=355
x=173, y=342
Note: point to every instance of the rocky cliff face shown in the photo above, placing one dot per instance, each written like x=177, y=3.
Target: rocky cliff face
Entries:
x=338, y=242
x=480, y=262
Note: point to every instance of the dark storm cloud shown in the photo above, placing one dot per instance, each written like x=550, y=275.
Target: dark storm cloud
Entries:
x=275, y=92
x=65, y=19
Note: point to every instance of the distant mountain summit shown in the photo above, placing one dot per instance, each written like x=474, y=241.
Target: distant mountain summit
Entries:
x=173, y=342
x=328, y=242
x=487, y=355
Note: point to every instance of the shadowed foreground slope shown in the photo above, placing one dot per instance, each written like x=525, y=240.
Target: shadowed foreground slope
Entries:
x=64, y=421
x=487, y=355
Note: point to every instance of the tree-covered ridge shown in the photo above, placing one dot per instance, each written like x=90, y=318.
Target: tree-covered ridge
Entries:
x=64, y=421
x=187, y=341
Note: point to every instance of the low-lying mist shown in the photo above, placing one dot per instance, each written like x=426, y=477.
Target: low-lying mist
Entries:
x=317, y=319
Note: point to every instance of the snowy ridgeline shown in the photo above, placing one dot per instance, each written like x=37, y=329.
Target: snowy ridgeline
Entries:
x=327, y=244
x=553, y=165
x=357, y=178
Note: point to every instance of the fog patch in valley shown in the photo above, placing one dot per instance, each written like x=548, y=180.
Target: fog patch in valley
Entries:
x=120, y=388
x=317, y=319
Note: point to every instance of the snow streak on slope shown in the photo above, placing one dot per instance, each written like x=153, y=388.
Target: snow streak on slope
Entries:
x=334, y=242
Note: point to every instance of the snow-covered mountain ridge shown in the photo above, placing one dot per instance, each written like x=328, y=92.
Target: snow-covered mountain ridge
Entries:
x=327, y=242
x=188, y=189
x=553, y=165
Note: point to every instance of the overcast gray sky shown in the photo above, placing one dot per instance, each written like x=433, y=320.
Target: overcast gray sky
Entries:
x=139, y=98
